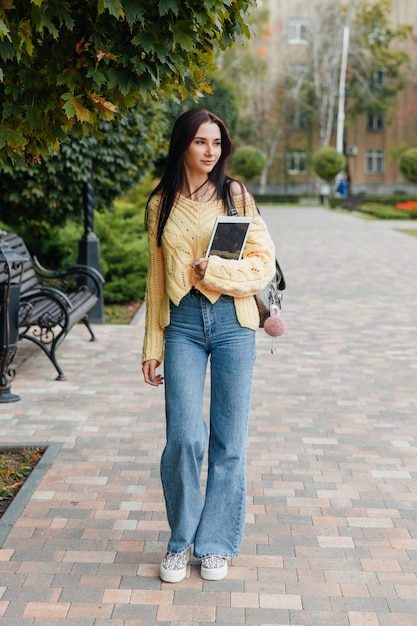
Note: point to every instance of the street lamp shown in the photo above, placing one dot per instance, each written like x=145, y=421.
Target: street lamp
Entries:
x=89, y=246
x=341, y=110
x=11, y=270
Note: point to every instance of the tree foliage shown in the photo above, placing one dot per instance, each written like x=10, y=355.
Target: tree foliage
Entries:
x=221, y=99
x=376, y=65
x=408, y=164
x=118, y=156
x=328, y=162
x=247, y=162
x=300, y=104
x=68, y=65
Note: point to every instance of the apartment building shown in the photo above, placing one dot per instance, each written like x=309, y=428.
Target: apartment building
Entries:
x=372, y=141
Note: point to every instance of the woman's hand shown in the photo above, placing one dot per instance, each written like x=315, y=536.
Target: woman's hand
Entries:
x=149, y=373
x=200, y=266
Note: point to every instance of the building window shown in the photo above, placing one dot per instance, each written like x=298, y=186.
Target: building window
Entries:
x=298, y=120
x=374, y=163
x=375, y=122
x=297, y=70
x=297, y=31
x=379, y=78
x=296, y=163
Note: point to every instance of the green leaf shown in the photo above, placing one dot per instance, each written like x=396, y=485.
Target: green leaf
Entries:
x=65, y=17
x=112, y=6
x=4, y=30
x=133, y=11
x=165, y=6
x=70, y=78
x=10, y=109
x=183, y=36
x=146, y=41
x=98, y=77
x=12, y=138
x=42, y=22
x=6, y=49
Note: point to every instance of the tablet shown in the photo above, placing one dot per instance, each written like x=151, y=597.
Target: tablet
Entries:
x=229, y=237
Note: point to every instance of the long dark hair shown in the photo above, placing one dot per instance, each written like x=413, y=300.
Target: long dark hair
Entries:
x=173, y=178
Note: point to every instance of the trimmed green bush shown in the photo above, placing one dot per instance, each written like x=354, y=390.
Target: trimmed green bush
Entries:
x=276, y=198
x=390, y=199
x=334, y=202
x=124, y=251
x=247, y=162
x=379, y=211
x=408, y=164
x=383, y=212
x=328, y=162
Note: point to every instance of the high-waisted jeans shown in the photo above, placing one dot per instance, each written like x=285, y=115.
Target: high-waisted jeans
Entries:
x=199, y=330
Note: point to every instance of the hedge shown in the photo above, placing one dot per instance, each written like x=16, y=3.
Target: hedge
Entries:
x=276, y=198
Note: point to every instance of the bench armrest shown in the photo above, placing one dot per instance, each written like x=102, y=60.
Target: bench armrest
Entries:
x=57, y=311
x=47, y=292
x=74, y=271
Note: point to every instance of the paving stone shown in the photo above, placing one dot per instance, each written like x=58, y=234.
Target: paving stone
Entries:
x=331, y=535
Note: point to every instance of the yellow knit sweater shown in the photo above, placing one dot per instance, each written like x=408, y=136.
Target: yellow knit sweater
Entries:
x=185, y=239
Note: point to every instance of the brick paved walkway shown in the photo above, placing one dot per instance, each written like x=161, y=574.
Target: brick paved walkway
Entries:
x=331, y=536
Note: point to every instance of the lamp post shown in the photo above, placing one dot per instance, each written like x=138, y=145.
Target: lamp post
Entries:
x=89, y=245
x=341, y=110
x=11, y=270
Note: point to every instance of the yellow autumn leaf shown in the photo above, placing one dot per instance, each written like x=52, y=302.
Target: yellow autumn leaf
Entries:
x=81, y=112
x=105, y=55
x=73, y=107
x=25, y=32
x=106, y=108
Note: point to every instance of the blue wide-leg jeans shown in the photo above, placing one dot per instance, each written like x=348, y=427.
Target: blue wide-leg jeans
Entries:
x=198, y=330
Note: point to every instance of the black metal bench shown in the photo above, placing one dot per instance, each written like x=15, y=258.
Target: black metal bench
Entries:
x=353, y=201
x=53, y=301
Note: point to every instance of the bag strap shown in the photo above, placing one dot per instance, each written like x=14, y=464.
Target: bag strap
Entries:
x=230, y=206
x=233, y=211
x=281, y=280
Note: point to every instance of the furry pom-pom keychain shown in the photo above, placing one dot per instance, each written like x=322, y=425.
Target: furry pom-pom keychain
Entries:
x=274, y=325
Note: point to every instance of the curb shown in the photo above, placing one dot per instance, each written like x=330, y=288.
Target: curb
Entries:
x=17, y=506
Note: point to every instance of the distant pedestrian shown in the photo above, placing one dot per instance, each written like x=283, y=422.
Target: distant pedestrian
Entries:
x=342, y=187
x=324, y=193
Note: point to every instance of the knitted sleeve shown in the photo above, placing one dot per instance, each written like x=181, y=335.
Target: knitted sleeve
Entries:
x=155, y=291
x=249, y=275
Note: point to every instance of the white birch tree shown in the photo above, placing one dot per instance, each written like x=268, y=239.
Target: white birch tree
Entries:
x=370, y=52
x=325, y=34
x=310, y=82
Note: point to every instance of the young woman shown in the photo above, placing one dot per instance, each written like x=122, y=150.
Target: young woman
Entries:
x=197, y=309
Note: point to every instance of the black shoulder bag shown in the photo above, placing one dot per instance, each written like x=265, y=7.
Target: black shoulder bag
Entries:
x=269, y=300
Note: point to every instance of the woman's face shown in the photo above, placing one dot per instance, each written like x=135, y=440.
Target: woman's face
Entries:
x=204, y=151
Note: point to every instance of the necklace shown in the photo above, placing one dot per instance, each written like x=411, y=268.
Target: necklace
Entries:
x=211, y=195
x=198, y=189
